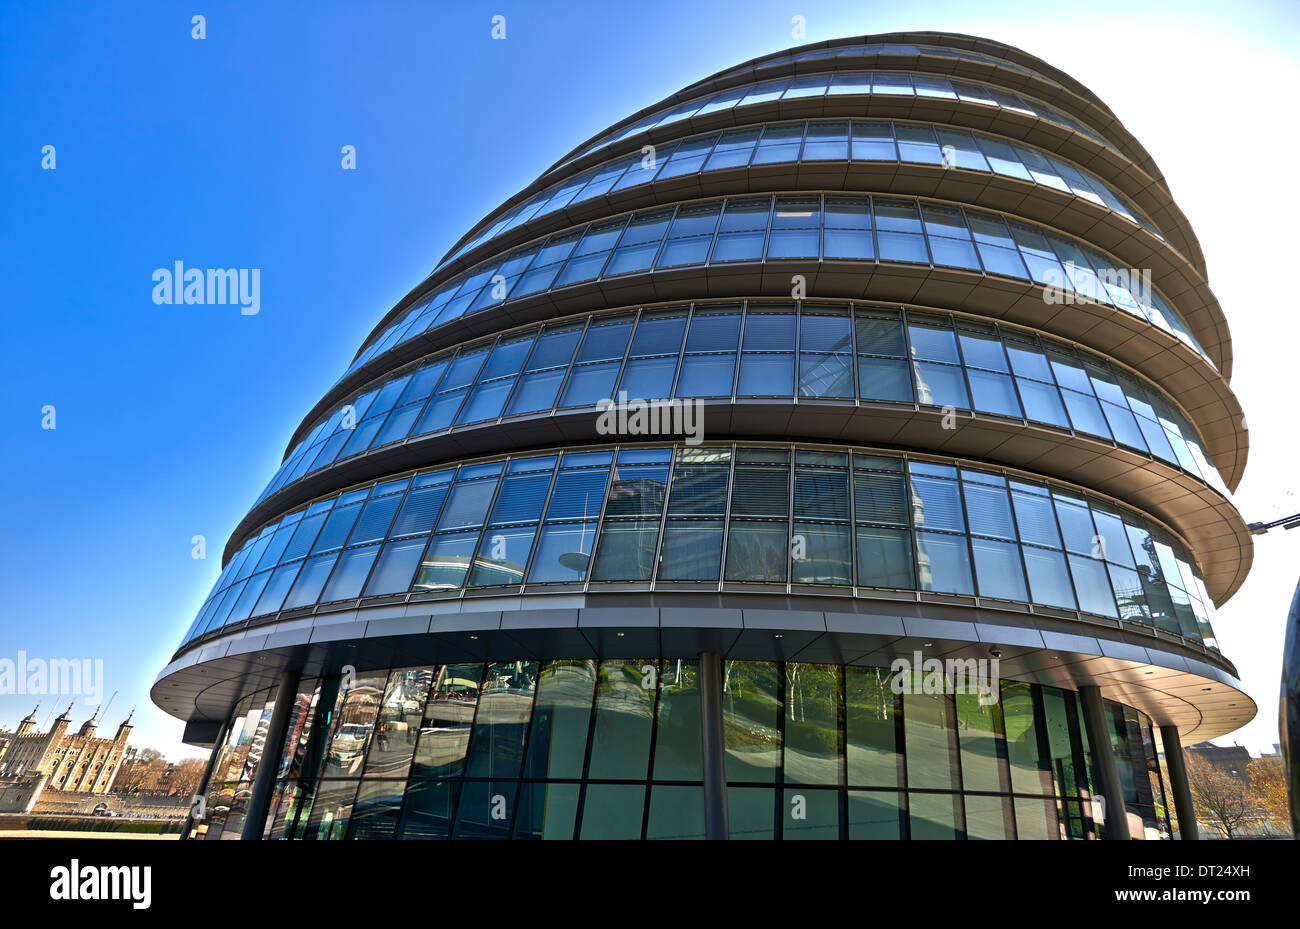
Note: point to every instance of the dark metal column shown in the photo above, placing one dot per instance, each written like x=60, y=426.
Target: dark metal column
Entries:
x=222, y=731
x=259, y=800
x=1103, y=762
x=1177, y=766
x=711, y=746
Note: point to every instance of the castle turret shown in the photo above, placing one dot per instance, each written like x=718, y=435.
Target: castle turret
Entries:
x=62, y=722
x=124, y=730
x=28, y=724
x=88, y=727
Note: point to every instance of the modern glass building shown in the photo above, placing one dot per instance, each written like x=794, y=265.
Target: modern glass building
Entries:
x=838, y=448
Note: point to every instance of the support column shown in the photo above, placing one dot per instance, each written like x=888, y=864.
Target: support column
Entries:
x=222, y=731
x=1177, y=766
x=259, y=800
x=711, y=746
x=1103, y=762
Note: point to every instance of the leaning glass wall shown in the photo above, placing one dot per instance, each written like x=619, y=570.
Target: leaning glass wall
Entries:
x=569, y=749
x=762, y=518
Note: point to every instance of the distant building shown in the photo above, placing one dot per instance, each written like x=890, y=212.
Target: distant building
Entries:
x=78, y=761
x=1230, y=759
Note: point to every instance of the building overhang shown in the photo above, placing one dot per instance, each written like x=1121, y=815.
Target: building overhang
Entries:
x=1172, y=680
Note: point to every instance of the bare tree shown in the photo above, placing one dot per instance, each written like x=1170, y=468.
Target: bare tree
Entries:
x=1218, y=797
x=188, y=777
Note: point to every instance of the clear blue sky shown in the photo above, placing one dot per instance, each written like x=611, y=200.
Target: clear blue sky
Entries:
x=225, y=153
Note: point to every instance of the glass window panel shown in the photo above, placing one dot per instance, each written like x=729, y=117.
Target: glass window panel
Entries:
x=353, y=568
x=871, y=718
x=751, y=713
x=751, y=812
x=613, y=811
x=1029, y=771
x=930, y=738
x=987, y=506
x=998, y=569
x=502, y=555
x=648, y=378
x=547, y=811
x=885, y=558
x=936, y=504
x=446, y=561
x=558, y=741
x=988, y=817
x=468, y=503
x=810, y=814
x=428, y=811
x=397, y=728
x=396, y=567
x=1049, y=581
x=780, y=143
x=1036, y=819
x=375, y=519
x=336, y=528
x=420, y=508
x=879, y=496
x=940, y=385
x=625, y=701
x=826, y=141
x=486, y=810
x=677, y=722
x=308, y=586
x=944, y=562
x=1076, y=524
x=675, y=812
x=277, y=588
x=756, y=552
x=1034, y=515
x=448, y=716
x=330, y=811
x=874, y=814
x=820, y=554
x=589, y=384
x=993, y=393
x=979, y=732
x=504, y=710
x=812, y=733
x=626, y=551
x=564, y=551
x=691, y=551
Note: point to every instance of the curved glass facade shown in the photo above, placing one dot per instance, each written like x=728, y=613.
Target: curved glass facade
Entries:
x=508, y=585
x=767, y=517
x=814, y=142
x=756, y=350
x=795, y=228
x=578, y=748
x=847, y=83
